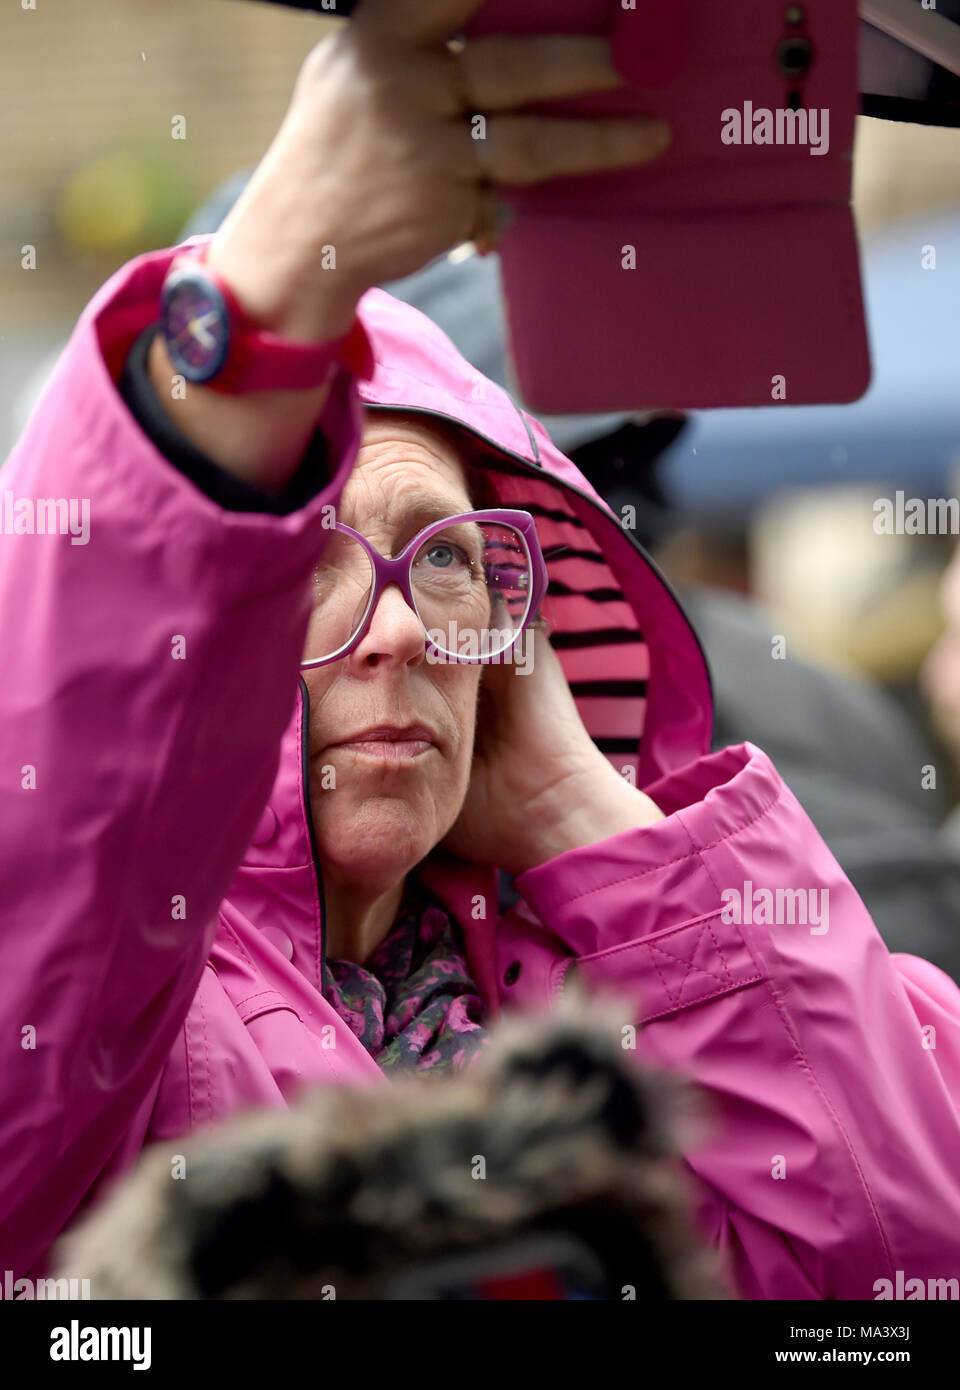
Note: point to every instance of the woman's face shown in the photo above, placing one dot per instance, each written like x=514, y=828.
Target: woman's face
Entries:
x=379, y=807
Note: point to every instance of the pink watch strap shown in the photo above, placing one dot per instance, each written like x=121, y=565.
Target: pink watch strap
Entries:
x=258, y=360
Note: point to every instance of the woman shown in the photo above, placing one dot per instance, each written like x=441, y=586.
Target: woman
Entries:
x=223, y=882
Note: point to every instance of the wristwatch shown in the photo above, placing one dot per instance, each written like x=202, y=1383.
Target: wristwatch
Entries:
x=211, y=340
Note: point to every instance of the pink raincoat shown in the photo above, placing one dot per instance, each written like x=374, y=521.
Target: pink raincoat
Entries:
x=162, y=909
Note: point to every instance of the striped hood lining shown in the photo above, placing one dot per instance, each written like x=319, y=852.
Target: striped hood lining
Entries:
x=594, y=631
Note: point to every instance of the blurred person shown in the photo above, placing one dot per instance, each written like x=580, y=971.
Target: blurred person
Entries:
x=224, y=883
x=858, y=762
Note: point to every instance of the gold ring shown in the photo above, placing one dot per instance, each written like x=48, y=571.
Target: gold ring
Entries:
x=490, y=213
x=461, y=95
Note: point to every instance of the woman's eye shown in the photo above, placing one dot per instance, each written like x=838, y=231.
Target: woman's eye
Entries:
x=443, y=555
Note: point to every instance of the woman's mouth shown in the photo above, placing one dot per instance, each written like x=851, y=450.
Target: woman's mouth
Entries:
x=387, y=743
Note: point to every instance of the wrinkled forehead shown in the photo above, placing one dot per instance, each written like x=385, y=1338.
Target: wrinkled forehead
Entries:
x=411, y=470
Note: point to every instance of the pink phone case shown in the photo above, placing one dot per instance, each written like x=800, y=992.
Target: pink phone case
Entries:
x=743, y=284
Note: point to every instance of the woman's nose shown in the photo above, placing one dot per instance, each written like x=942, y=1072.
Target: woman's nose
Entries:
x=395, y=636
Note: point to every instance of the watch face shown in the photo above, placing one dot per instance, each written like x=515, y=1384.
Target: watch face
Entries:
x=196, y=324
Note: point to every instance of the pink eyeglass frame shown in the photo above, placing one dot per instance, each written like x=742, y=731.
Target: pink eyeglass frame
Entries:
x=398, y=571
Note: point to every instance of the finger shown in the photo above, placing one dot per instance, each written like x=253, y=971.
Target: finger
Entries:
x=531, y=149
x=500, y=73
x=414, y=21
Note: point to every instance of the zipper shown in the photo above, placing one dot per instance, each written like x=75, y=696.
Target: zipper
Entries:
x=561, y=980
x=311, y=829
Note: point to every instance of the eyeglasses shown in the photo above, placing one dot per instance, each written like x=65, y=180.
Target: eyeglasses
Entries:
x=474, y=581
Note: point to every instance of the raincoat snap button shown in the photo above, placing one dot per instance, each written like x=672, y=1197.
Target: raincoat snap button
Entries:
x=266, y=827
x=278, y=938
x=512, y=973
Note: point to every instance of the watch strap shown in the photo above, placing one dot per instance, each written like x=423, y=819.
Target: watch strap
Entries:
x=259, y=360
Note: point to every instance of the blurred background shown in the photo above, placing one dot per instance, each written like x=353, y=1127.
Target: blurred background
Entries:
x=776, y=503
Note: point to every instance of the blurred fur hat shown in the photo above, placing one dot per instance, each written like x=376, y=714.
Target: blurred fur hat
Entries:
x=549, y=1160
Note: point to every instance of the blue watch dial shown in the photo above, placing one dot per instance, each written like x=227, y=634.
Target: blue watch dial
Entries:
x=196, y=324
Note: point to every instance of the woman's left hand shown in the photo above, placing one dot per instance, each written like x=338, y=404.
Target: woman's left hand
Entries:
x=539, y=785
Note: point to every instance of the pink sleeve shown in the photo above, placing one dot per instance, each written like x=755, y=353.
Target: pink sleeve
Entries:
x=831, y=1068
x=150, y=669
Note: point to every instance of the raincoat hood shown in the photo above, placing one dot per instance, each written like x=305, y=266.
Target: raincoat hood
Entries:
x=633, y=661
x=630, y=655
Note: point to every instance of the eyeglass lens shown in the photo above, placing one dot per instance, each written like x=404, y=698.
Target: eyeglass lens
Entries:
x=470, y=583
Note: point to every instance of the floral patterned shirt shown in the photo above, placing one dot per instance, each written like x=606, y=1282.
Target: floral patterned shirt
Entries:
x=413, y=1005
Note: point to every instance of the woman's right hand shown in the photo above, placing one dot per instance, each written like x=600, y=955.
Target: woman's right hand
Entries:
x=373, y=172
x=376, y=159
